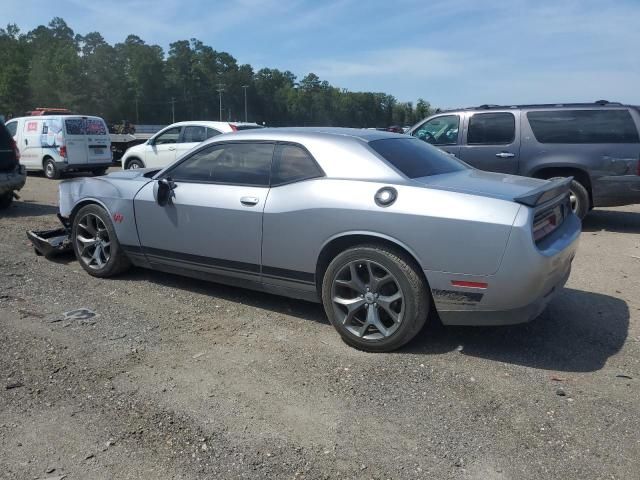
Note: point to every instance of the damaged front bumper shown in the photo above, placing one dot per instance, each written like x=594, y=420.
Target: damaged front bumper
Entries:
x=52, y=242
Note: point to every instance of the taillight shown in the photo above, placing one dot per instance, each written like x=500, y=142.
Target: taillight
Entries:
x=545, y=226
x=16, y=149
x=63, y=151
x=233, y=127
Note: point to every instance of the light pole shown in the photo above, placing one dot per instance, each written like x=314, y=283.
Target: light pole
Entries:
x=220, y=90
x=244, y=87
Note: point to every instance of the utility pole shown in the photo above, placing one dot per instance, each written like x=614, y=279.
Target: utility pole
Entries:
x=244, y=87
x=173, y=110
x=220, y=90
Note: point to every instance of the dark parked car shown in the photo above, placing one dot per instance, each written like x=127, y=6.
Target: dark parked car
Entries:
x=12, y=175
x=595, y=143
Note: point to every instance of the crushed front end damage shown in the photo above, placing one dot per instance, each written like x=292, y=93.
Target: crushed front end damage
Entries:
x=52, y=242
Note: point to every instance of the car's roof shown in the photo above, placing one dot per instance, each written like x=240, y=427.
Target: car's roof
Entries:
x=55, y=115
x=314, y=133
x=537, y=106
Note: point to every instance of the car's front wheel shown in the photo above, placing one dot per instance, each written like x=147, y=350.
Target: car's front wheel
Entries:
x=95, y=243
x=375, y=297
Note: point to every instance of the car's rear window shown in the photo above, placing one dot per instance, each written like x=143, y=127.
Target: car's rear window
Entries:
x=583, y=126
x=6, y=141
x=415, y=158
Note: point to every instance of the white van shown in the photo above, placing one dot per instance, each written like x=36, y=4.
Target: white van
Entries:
x=62, y=143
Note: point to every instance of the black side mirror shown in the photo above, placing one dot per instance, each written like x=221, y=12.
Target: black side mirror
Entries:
x=165, y=191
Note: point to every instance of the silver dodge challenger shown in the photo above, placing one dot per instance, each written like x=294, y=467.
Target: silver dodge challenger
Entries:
x=382, y=229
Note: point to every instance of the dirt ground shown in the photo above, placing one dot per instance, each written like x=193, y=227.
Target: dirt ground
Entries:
x=177, y=378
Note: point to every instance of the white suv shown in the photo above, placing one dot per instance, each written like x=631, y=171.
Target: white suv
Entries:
x=176, y=139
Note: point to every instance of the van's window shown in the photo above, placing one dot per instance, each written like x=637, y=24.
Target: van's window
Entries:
x=491, y=129
x=292, y=164
x=12, y=128
x=440, y=130
x=583, y=126
x=74, y=126
x=415, y=158
x=95, y=126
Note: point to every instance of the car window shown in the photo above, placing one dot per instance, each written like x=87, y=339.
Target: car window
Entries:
x=194, y=134
x=212, y=132
x=491, y=129
x=231, y=163
x=583, y=126
x=12, y=128
x=169, y=136
x=440, y=130
x=415, y=158
x=292, y=164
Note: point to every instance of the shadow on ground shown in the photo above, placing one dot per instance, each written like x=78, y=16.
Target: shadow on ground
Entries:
x=578, y=332
x=612, y=221
x=26, y=208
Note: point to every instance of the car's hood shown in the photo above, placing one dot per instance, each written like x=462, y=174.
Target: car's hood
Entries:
x=488, y=184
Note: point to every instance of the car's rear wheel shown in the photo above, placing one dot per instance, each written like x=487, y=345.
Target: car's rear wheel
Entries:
x=578, y=197
x=375, y=297
x=51, y=171
x=95, y=243
x=134, y=163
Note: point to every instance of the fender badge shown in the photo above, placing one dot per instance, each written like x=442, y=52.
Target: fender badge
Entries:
x=118, y=217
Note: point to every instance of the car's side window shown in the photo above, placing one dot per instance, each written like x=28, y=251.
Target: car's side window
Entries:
x=12, y=128
x=229, y=163
x=293, y=164
x=194, y=134
x=169, y=136
x=211, y=132
x=491, y=129
x=441, y=130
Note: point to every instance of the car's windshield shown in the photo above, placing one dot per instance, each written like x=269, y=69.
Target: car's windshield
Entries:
x=415, y=158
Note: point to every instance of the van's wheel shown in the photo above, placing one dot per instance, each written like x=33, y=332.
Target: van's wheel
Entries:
x=6, y=200
x=51, y=171
x=579, y=198
x=375, y=297
x=95, y=243
x=134, y=163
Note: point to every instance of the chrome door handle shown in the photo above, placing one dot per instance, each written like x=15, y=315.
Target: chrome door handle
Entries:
x=249, y=201
x=505, y=155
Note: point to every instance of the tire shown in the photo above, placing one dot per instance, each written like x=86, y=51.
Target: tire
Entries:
x=395, y=275
x=580, y=203
x=51, y=171
x=134, y=163
x=6, y=200
x=92, y=224
x=98, y=172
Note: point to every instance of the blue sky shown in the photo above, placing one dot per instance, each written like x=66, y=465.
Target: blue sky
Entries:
x=450, y=52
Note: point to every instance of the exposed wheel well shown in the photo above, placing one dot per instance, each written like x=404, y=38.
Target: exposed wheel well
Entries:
x=77, y=208
x=130, y=159
x=580, y=175
x=340, y=244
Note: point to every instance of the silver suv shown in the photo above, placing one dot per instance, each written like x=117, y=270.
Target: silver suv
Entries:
x=597, y=144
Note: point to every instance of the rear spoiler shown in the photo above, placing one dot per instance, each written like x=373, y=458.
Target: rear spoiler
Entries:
x=544, y=193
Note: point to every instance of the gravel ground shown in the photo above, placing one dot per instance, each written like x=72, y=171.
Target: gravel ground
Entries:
x=176, y=378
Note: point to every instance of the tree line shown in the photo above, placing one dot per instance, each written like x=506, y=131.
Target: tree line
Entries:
x=51, y=66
